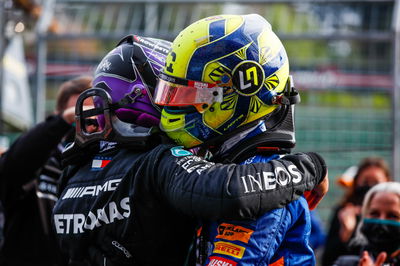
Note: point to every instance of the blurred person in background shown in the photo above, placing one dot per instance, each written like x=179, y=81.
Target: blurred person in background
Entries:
x=29, y=173
x=127, y=199
x=226, y=87
x=377, y=238
x=370, y=172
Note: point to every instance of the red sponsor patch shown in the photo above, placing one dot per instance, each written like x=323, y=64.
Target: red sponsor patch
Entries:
x=219, y=261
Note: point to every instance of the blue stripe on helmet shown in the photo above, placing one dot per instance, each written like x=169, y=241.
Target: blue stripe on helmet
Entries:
x=216, y=29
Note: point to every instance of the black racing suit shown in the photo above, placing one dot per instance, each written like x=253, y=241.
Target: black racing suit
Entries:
x=27, y=199
x=141, y=208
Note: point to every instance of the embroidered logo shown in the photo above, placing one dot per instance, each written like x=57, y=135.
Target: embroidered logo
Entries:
x=229, y=249
x=179, y=151
x=99, y=163
x=234, y=232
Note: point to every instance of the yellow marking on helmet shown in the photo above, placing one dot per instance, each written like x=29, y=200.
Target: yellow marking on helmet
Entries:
x=174, y=126
x=171, y=122
x=202, y=40
x=252, y=72
x=213, y=72
x=233, y=122
x=218, y=117
x=271, y=82
x=194, y=36
x=184, y=45
x=182, y=137
x=242, y=52
x=229, y=101
x=270, y=45
x=217, y=71
x=255, y=104
x=232, y=23
x=209, y=67
x=282, y=75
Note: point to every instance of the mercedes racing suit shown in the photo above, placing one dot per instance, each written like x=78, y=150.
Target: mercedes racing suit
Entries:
x=278, y=237
x=125, y=206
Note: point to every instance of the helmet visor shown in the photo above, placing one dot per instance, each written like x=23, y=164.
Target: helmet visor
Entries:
x=171, y=91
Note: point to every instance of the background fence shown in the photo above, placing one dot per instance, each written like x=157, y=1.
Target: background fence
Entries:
x=343, y=58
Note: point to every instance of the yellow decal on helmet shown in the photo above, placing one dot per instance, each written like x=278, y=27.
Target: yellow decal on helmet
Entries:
x=229, y=101
x=269, y=46
x=282, y=75
x=192, y=37
x=271, y=82
x=242, y=52
x=232, y=23
x=255, y=104
x=172, y=122
x=219, y=115
x=174, y=126
x=251, y=74
x=215, y=72
x=182, y=137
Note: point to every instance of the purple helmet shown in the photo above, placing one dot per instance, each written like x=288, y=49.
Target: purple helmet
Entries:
x=129, y=74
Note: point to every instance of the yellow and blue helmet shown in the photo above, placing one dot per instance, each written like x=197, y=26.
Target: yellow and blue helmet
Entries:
x=222, y=73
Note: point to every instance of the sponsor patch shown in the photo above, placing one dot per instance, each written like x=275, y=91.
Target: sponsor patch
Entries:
x=77, y=223
x=219, y=261
x=234, y=232
x=152, y=44
x=179, y=151
x=106, y=145
x=99, y=163
x=263, y=181
x=93, y=190
x=229, y=249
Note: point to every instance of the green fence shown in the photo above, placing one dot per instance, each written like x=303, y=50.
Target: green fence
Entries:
x=343, y=136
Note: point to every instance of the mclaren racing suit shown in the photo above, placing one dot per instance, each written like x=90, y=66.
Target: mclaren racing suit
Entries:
x=125, y=206
x=278, y=237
